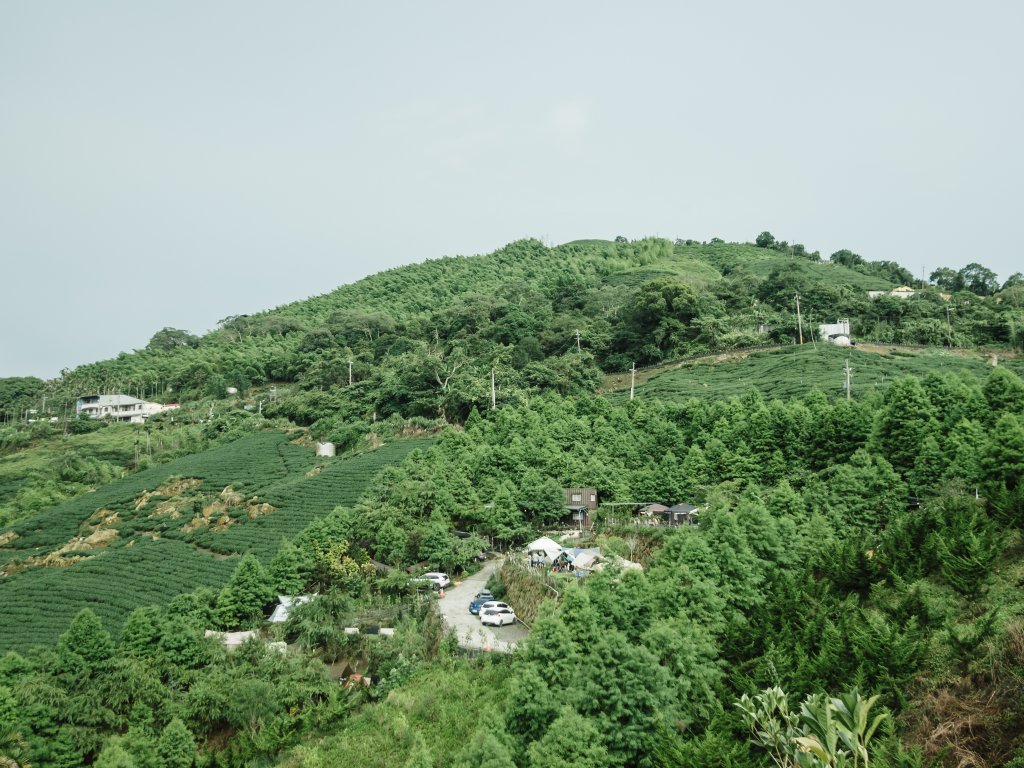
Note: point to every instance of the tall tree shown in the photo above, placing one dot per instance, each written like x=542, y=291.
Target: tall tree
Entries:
x=241, y=602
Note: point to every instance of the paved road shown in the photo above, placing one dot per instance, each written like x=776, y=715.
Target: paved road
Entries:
x=454, y=609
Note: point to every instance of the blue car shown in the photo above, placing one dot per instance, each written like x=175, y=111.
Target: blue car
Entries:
x=479, y=599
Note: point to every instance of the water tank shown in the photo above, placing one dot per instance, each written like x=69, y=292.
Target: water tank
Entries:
x=325, y=449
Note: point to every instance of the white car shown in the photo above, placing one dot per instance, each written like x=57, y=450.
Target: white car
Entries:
x=437, y=579
x=498, y=617
x=493, y=604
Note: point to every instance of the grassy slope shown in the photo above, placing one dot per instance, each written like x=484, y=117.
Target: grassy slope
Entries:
x=154, y=555
x=740, y=258
x=794, y=371
x=114, y=444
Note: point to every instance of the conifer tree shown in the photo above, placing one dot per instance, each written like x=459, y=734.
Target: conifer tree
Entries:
x=1004, y=392
x=904, y=422
x=572, y=741
x=86, y=644
x=242, y=600
x=289, y=570
x=177, y=747
x=141, y=631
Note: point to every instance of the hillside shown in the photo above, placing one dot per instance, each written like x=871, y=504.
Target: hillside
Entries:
x=169, y=529
x=862, y=548
x=795, y=371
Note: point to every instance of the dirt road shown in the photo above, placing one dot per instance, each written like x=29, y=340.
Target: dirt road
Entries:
x=454, y=609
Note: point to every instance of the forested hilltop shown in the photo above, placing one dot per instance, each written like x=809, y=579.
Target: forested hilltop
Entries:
x=850, y=596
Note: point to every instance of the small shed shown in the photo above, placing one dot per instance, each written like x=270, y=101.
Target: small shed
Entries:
x=325, y=449
x=682, y=514
x=284, y=606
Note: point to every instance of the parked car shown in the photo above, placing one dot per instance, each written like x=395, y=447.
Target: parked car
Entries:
x=498, y=617
x=493, y=604
x=436, y=579
x=479, y=599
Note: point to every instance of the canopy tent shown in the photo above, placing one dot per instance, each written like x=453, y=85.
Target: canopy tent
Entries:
x=543, y=550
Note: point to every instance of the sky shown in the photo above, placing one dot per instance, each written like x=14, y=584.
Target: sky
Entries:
x=172, y=164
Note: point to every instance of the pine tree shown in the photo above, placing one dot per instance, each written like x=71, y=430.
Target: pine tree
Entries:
x=242, y=600
x=114, y=756
x=1004, y=392
x=288, y=570
x=141, y=631
x=904, y=422
x=929, y=466
x=531, y=704
x=86, y=644
x=177, y=746
x=572, y=741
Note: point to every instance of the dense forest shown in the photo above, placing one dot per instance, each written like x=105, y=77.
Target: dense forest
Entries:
x=851, y=595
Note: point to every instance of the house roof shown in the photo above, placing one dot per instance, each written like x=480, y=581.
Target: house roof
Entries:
x=653, y=509
x=684, y=509
x=284, y=606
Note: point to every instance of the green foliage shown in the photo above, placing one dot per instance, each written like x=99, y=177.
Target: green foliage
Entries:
x=571, y=741
x=242, y=601
x=825, y=732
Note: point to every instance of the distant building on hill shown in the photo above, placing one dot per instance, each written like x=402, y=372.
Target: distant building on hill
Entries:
x=119, y=408
x=903, y=292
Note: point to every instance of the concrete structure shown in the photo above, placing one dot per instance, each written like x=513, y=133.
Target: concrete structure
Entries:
x=325, y=449
x=903, y=292
x=119, y=408
x=837, y=332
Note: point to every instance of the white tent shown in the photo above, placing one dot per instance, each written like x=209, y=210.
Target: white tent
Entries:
x=544, y=549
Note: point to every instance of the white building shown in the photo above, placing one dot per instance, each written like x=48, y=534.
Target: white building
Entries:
x=119, y=408
x=837, y=332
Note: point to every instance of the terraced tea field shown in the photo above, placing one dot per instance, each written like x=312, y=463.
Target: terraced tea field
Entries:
x=795, y=371
x=169, y=529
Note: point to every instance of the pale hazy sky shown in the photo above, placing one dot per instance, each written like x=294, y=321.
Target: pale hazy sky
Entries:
x=169, y=164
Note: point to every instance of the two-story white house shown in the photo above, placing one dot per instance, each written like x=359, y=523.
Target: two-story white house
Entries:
x=119, y=408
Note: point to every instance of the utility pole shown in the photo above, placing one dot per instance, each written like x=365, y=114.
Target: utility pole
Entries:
x=949, y=329
x=799, y=320
x=632, y=381
x=848, y=371
x=494, y=399
x=578, y=347
x=350, y=373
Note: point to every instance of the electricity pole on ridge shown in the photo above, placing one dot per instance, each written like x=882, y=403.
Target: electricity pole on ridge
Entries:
x=494, y=399
x=849, y=372
x=632, y=381
x=578, y=347
x=799, y=320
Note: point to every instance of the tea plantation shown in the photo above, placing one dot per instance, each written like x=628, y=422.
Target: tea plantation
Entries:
x=169, y=529
x=794, y=371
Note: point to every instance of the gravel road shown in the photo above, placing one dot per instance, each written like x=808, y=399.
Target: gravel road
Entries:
x=454, y=609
